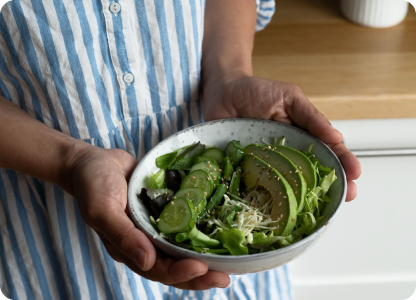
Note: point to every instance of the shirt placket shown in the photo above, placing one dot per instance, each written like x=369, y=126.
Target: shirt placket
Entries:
x=118, y=28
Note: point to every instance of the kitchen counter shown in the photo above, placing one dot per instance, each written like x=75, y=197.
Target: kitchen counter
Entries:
x=347, y=71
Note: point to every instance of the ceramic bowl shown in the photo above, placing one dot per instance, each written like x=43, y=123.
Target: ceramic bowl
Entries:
x=219, y=133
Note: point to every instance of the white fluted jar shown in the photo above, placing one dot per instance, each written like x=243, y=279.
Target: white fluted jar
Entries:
x=375, y=13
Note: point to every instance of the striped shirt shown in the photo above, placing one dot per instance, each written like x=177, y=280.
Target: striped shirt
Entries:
x=122, y=74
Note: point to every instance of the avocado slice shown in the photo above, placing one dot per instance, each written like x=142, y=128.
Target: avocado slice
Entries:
x=301, y=161
x=285, y=166
x=257, y=173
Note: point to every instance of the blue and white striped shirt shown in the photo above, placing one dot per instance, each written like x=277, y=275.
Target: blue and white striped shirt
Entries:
x=121, y=76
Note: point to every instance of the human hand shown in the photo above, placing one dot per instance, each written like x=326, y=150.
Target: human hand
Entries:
x=98, y=180
x=252, y=97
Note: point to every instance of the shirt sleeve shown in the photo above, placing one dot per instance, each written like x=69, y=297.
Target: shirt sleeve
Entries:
x=265, y=11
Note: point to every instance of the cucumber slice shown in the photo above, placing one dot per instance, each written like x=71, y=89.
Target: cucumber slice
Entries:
x=201, y=159
x=235, y=152
x=201, y=179
x=210, y=167
x=215, y=153
x=177, y=216
x=196, y=195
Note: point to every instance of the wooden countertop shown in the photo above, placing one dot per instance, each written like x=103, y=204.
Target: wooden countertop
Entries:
x=347, y=71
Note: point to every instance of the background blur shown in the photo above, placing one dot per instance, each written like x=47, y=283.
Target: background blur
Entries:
x=364, y=81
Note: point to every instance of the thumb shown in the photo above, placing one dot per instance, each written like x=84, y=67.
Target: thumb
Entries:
x=305, y=115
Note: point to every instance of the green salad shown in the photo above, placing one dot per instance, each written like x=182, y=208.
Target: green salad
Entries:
x=237, y=201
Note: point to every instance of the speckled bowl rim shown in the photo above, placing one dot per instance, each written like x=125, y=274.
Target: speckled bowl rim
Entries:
x=236, y=258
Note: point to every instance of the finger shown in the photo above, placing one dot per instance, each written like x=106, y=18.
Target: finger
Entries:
x=120, y=231
x=111, y=249
x=184, y=273
x=351, y=191
x=212, y=279
x=349, y=161
x=306, y=116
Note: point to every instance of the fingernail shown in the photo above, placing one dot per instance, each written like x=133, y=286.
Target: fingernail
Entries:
x=195, y=275
x=216, y=285
x=140, y=258
x=337, y=131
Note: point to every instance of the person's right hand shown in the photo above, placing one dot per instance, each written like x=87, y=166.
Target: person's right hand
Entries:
x=98, y=180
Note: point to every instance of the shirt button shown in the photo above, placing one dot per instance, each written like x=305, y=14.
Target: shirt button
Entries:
x=128, y=78
x=115, y=8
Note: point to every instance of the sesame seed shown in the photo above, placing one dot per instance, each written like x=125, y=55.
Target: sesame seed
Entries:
x=269, y=147
x=172, y=203
x=280, y=203
x=254, y=158
x=296, y=192
x=290, y=172
x=284, y=173
x=297, y=184
x=268, y=166
x=260, y=156
x=157, y=220
x=220, y=170
x=209, y=162
x=263, y=168
x=193, y=177
x=257, y=165
x=284, y=197
x=280, y=193
x=174, y=197
x=267, y=156
x=281, y=215
x=187, y=194
x=296, y=171
x=275, y=177
x=278, y=178
x=275, y=190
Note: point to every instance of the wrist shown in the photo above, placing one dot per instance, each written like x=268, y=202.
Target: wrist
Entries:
x=72, y=151
x=224, y=77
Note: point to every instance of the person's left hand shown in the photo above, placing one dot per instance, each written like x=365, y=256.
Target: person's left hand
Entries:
x=252, y=97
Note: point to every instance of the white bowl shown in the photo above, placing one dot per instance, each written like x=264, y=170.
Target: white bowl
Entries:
x=219, y=133
x=375, y=13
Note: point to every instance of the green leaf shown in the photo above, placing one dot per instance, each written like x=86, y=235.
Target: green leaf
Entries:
x=182, y=164
x=198, y=239
x=263, y=241
x=157, y=180
x=166, y=160
x=234, y=241
x=326, y=182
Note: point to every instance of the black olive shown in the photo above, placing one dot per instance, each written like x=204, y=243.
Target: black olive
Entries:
x=173, y=180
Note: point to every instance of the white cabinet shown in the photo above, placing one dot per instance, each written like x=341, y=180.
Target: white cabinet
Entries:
x=369, y=252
